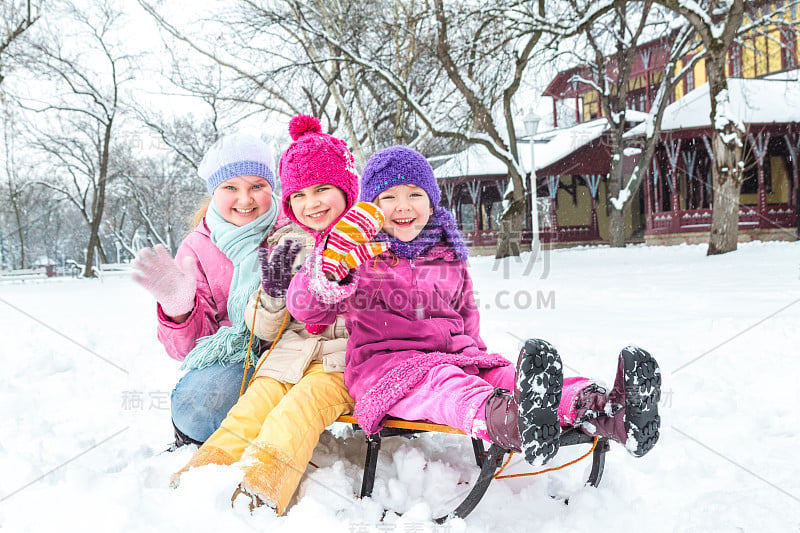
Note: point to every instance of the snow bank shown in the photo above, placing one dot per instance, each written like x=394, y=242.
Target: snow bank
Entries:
x=86, y=420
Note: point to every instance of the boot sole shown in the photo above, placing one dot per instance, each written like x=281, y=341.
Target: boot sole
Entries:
x=539, y=382
x=642, y=378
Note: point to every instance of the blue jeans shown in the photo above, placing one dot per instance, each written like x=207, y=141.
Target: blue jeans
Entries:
x=202, y=398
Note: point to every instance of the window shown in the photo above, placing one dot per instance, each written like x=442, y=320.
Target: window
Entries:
x=750, y=183
x=638, y=100
x=466, y=214
x=735, y=61
x=688, y=82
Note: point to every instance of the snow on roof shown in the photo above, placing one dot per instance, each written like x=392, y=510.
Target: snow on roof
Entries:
x=752, y=101
x=549, y=147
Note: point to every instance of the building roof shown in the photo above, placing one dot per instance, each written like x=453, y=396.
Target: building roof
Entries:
x=550, y=147
x=752, y=101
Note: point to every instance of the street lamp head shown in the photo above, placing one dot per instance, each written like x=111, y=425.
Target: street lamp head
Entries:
x=531, y=121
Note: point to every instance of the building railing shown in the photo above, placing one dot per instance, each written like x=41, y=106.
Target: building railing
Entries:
x=689, y=220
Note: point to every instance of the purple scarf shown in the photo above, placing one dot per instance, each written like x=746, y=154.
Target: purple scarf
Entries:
x=441, y=226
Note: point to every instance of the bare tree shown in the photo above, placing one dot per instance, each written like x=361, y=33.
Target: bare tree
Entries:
x=27, y=231
x=272, y=64
x=615, y=41
x=14, y=187
x=80, y=118
x=398, y=36
x=611, y=79
x=16, y=18
x=158, y=190
x=483, y=58
x=718, y=22
x=186, y=137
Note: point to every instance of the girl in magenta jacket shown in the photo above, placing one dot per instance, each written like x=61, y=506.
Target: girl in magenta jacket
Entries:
x=415, y=351
x=202, y=293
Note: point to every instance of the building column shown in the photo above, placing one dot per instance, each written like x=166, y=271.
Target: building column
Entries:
x=792, y=141
x=552, y=189
x=650, y=187
x=760, y=145
x=673, y=151
x=689, y=160
x=474, y=188
x=593, y=181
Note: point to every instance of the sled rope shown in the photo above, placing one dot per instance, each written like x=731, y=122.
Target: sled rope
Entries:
x=510, y=454
x=250, y=344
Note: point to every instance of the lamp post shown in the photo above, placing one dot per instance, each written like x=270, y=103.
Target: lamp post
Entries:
x=531, y=122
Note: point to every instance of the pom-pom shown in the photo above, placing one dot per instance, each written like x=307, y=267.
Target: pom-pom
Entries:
x=316, y=329
x=302, y=124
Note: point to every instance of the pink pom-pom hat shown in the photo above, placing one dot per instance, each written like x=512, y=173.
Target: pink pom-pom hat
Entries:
x=315, y=158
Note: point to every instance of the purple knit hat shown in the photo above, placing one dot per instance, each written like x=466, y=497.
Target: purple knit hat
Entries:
x=400, y=165
x=315, y=158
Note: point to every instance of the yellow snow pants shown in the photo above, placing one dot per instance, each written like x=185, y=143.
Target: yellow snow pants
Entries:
x=273, y=429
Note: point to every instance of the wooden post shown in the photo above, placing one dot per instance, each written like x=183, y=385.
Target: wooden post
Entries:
x=593, y=181
x=474, y=188
x=555, y=114
x=552, y=188
x=793, y=146
x=760, y=146
x=673, y=151
x=707, y=179
x=651, y=180
x=689, y=159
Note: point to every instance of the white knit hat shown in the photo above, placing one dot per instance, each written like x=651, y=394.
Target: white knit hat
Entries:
x=237, y=154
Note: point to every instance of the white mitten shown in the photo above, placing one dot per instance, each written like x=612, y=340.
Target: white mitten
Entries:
x=173, y=286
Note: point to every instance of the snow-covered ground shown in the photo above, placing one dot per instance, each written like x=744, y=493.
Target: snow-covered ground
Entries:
x=84, y=407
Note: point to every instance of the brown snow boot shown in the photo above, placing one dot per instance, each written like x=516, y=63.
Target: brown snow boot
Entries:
x=501, y=420
x=629, y=413
x=527, y=421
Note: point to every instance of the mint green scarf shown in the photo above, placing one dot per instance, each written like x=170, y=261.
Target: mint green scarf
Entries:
x=240, y=244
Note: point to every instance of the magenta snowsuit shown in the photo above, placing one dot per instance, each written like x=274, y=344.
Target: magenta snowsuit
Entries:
x=405, y=318
x=415, y=350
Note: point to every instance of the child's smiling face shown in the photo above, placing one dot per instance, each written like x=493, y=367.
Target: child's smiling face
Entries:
x=318, y=206
x=243, y=199
x=407, y=209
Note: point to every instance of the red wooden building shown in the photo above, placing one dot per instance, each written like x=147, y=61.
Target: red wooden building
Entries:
x=674, y=202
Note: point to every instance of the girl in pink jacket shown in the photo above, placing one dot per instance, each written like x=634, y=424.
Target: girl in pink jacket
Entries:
x=415, y=351
x=298, y=390
x=202, y=293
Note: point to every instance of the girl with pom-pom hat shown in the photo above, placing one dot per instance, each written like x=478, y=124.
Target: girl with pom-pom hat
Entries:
x=314, y=160
x=299, y=388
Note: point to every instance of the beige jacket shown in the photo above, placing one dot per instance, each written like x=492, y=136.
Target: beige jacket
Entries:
x=296, y=348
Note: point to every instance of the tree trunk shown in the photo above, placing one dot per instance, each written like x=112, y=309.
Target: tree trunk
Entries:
x=728, y=169
x=616, y=220
x=99, y=205
x=18, y=219
x=88, y=271
x=724, y=217
x=509, y=236
x=616, y=228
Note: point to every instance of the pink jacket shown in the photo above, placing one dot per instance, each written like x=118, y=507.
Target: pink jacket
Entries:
x=214, y=273
x=404, y=318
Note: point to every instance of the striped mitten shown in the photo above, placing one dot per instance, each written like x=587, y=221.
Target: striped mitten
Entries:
x=349, y=243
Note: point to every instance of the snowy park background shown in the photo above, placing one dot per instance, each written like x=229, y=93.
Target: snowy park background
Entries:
x=84, y=405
